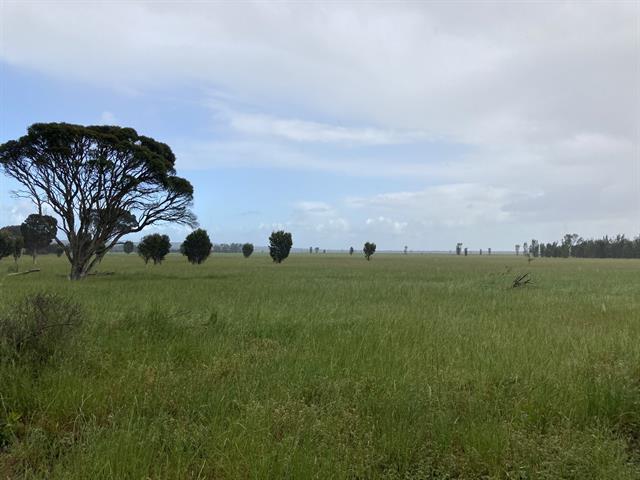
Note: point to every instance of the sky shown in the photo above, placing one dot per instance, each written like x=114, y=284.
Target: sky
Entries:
x=403, y=123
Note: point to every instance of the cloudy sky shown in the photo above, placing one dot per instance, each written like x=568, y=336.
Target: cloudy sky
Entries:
x=419, y=124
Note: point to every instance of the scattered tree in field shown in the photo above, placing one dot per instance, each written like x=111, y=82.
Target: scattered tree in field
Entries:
x=247, y=250
x=280, y=244
x=525, y=249
x=317, y=250
x=458, y=248
x=310, y=249
x=324, y=250
x=368, y=250
x=489, y=251
x=154, y=247
x=197, y=246
x=480, y=251
x=6, y=244
x=103, y=182
x=38, y=231
x=406, y=249
x=517, y=249
x=534, y=249
x=13, y=242
x=351, y=250
x=128, y=247
x=466, y=251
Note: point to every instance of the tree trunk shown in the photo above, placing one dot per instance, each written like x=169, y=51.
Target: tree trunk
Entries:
x=79, y=270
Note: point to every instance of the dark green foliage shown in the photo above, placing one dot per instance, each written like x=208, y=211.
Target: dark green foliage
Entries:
x=280, y=244
x=12, y=242
x=128, y=247
x=573, y=245
x=247, y=250
x=36, y=327
x=369, y=249
x=458, y=248
x=38, y=231
x=351, y=250
x=122, y=183
x=154, y=247
x=197, y=246
x=5, y=244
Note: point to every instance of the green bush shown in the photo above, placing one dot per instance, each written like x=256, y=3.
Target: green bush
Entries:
x=36, y=327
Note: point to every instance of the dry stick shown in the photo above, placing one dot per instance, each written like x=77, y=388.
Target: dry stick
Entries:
x=23, y=273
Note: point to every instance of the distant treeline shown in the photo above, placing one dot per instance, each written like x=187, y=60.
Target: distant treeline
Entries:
x=228, y=248
x=573, y=245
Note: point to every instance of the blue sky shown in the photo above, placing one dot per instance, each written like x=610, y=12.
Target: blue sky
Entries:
x=403, y=124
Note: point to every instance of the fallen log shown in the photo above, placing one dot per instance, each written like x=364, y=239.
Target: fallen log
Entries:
x=33, y=270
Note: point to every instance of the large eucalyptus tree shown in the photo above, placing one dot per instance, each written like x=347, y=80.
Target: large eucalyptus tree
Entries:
x=102, y=182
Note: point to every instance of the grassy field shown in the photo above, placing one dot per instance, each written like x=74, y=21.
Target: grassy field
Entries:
x=405, y=367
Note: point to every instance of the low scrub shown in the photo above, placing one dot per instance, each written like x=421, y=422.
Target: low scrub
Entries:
x=36, y=327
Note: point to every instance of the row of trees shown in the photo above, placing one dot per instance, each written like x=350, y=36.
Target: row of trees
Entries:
x=196, y=247
x=572, y=245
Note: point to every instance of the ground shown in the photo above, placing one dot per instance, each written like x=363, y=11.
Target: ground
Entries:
x=329, y=366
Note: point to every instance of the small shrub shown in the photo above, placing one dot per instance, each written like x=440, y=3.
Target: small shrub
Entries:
x=36, y=327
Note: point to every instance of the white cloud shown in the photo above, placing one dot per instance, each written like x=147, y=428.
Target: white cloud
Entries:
x=306, y=131
x=546, y=96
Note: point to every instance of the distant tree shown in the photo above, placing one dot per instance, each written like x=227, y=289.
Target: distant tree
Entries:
x=154, y=247
x=6, y=244
x=59, y=251
x=103, y=182
x=458, y=248
x=534, y=249
x=310, y=249
x=324, y=250
x=517, y=249
x=351, y=250
x=280, y=244
x=128, y=247
x=525, y=249
x=480, y=251
x=489, y=251
x=197, y=246
x=13, y=243
x=369, y=249
x=38, y=231
x=568, y=242
x=317, y=250
x=466, y=251
x=247, y=250
x=405, y=249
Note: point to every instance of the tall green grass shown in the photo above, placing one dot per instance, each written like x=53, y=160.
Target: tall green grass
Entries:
x=328, y=366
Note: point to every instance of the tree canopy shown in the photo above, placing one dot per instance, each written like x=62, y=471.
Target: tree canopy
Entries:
x=12, y=242
x=280, y=244
x=247, y=250
x=103, y=182
x=128, y=247
x=38, y=231
x=197, y=246
x=369, y=249
x=154, y=247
